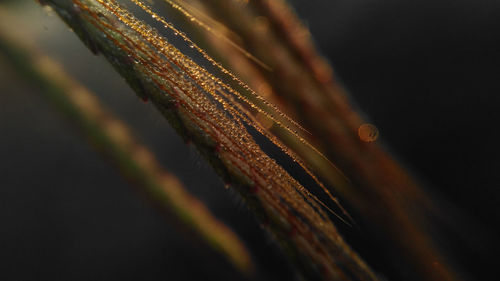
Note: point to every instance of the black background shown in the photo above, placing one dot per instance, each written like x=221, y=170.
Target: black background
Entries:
x=424, y=72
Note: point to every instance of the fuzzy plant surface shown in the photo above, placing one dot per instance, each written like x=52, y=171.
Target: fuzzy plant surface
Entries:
x=232, y=73
x=267, y=45
x=216, y=116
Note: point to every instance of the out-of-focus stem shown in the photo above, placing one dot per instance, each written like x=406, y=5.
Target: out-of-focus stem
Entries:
x=384, y=194
x=114, y=140
x=384, y=183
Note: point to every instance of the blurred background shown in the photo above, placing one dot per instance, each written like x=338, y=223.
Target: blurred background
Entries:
x=424, y=72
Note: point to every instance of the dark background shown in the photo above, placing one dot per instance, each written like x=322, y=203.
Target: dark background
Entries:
x=424, y=72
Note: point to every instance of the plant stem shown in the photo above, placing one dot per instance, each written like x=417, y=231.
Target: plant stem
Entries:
x=202, y=111
x=387, y=198
x=114, y=140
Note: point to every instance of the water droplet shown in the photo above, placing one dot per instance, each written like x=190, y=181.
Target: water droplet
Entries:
x=368, y=132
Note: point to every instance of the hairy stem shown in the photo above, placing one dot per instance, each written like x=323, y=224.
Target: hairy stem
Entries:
x=204, y=111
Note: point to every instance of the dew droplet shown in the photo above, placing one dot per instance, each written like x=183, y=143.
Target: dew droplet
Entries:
x=368, y=132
